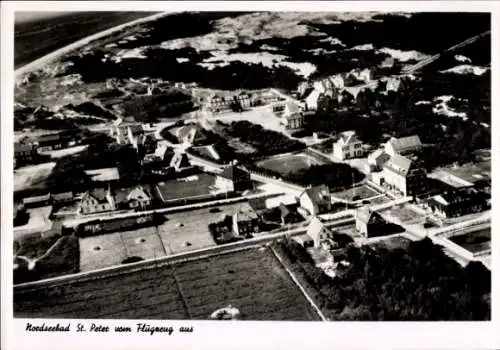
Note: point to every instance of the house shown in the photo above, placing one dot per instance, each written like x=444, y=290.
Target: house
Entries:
x=244, y=99
x=459, y=202
x=319, y=233
x=368, y=222
x=233, y=178
x=62, y=197
x=37, y=201
x=135, y=135
x=292, y=117
x=96, y=201
x=245, y=220
x=138, y=198
x=348, y=146
x=25, y=151
x=316, y=200
x=403, y=145
x=377, y=159
x=126, y=132
x=404, y=176
x=312, y=100
x=50, y=142
x=289, y=214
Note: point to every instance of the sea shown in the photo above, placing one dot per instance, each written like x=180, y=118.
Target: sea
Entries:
x=38, y=37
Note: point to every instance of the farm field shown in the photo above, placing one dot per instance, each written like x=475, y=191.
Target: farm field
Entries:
x=474, y=242
x=289, y=163
x=252, y=281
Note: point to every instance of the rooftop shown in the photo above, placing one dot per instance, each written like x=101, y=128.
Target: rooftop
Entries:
x=318, y=194
x=399, y=164
x=405, y=143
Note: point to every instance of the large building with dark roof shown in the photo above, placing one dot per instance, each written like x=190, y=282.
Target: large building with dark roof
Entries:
x=458, y=202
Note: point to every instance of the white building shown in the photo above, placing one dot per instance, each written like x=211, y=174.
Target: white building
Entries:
x=348, y=146
x=402, y=145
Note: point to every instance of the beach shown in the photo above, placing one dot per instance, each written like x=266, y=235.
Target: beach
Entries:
x=40, y=62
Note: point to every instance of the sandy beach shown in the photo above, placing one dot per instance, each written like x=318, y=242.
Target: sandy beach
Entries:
x=39, y=63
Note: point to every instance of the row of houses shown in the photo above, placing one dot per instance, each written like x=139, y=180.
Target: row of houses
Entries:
x=27, y=149
x=217, y=103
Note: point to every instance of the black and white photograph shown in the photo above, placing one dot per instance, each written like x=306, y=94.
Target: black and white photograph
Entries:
x=248, y=165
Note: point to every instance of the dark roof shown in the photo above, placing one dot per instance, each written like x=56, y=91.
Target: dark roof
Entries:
x=136, y=129
x=284, y=210
x=233, y=173
x=317, y=194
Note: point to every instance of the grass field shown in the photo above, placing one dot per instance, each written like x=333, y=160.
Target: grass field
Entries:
x=474, y=242
x=192, y=186
x=289, y=163
x=363, y=192
x=252, y=281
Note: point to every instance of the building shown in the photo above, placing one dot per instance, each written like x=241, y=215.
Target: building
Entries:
x=292, y=117
x=245, y=221
x=25, y=151
x=377, y=159
x=312, y=100
x=459, y=202
x=138, y=198
x=37, y=201
x=233, y=178
x=405, y=176
x=127, y=132
x=96, y=201
x=319, y=233
x=289, y=214
x=403, y=145
x=368, y=222
x=348, y=146
x=316, y=200
x=50, y=142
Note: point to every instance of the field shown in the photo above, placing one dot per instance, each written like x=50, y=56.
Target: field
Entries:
x=252, y=281
x=192, y=186
x=183, y=231
x=289, y=163
x=474, y=242
x=363, y=192
x=404, y=213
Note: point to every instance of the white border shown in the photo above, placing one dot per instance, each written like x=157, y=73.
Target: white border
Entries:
x=279, y=335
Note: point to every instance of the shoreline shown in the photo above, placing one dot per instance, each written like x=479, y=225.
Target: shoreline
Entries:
x=40, y=62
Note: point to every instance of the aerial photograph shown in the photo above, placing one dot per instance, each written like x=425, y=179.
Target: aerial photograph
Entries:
x=262, y=166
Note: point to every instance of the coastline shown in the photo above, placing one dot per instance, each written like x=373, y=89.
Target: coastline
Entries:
x=40, y=62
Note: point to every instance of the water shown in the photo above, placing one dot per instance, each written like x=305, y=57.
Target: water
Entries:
x=36, y=38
